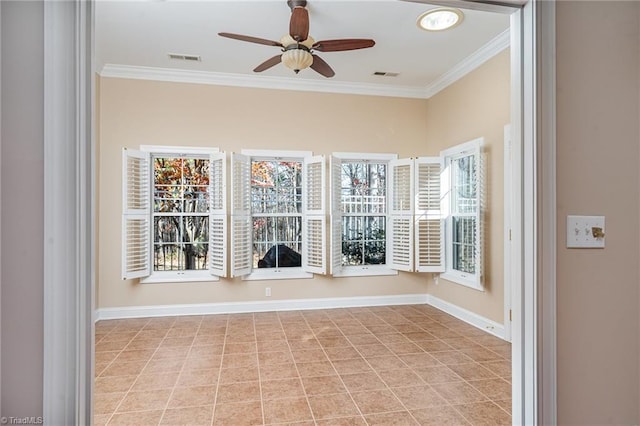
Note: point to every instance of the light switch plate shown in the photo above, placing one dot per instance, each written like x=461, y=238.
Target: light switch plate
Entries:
x=580, y=231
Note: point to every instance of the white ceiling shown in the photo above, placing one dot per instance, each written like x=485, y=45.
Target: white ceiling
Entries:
x=142, y=34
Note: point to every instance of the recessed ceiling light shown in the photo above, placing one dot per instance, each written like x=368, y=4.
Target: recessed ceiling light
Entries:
x=440, y=19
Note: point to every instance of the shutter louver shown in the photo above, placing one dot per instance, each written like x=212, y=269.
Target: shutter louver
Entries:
x=335, y=168
x=313, y=195
x=400, y=250
x=481, y=223
x=136, y=176
x=429, y=220
x=401, y=243
x=241, y=229
x=218, y=214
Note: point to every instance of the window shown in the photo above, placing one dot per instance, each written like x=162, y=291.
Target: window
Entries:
x=463, y=198
x=278, y=224
x=180, y=212
x=359, y=214
x=276, y=212
x=174, y=214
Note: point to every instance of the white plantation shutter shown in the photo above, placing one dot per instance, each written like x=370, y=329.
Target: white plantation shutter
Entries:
x=429, y=218
x=241, y=225
x=136, y=215
x=218, y=214
x=481, y=201
x=335, y=168
x=313, y=215
x=400, y=251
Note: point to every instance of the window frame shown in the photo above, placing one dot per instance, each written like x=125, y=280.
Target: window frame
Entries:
x=339, y=270
x=473, y=147
x=151, y=276
x=304, y=271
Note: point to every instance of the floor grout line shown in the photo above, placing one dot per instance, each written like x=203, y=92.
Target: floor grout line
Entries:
x=132, y=384
x=264, y=419
x=398, y=322
x=339, y=376
x=166, y=406
x=215, y=398
x=390, y=388
x=306, y=396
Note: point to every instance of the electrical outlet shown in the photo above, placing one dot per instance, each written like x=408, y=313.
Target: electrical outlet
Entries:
x=585, y=232
x=267, y=291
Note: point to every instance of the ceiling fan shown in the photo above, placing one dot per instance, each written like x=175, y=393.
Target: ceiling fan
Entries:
x=298, y=47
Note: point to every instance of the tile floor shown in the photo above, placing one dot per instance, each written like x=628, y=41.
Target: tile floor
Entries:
x=392, y=365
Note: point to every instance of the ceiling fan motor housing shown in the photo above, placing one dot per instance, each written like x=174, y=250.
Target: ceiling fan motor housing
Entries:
x=296, y=3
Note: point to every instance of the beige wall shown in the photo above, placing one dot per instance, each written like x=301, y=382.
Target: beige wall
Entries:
x=598, y=74
x=477, y=106
x=135, y=112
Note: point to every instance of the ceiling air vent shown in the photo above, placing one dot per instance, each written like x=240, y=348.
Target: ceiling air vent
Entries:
x=386, y=74
x=182, y=57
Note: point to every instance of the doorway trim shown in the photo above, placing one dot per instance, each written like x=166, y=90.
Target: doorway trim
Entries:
x=69, y=209
x=546, y=232
x=69, y=179
x=508, y=282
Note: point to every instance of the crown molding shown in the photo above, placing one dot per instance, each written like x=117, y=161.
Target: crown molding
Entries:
x=470, y=63
x=479, y=57
x=264, y=82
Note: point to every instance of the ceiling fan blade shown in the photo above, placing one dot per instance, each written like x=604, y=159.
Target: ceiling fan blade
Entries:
x=343, y=44
x=268, y=63
x=321, y=67
x=251, y=39
x=299, y=24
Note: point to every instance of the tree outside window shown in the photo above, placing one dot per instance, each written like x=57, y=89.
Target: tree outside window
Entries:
x=464, y=208
x=276, y=207
x=180, y=213
x=363, y=199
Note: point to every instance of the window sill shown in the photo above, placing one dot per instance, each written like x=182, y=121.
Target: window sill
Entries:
x=178, y=277
x=466, y=280
x=364, y=271
x=277, y=274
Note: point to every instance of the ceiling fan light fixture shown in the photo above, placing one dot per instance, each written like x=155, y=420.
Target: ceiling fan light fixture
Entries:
x=440, y=19
x=297, y=59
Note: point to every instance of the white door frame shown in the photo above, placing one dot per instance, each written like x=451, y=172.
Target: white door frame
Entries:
x=544, y=145
x=69, y=200
x=533, y=302
x=69, y=203
x=508, y=282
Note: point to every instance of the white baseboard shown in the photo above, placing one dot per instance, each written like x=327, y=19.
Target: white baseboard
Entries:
x=258, y=306
x=469, y=317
